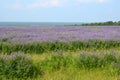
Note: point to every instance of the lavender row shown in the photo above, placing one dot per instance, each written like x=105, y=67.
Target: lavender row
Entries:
x=61, y=33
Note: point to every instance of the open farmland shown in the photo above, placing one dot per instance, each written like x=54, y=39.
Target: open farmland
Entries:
x=60, y=53
x=59, y=33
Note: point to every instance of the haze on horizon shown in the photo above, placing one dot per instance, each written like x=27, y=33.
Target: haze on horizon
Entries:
x=59, y=10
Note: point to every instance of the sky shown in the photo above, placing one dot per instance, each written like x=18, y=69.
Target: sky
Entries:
x=59, y=10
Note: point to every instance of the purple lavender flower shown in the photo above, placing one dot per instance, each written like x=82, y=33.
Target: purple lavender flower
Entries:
x=61, y=33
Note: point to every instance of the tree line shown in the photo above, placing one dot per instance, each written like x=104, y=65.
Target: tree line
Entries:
x=107, y=23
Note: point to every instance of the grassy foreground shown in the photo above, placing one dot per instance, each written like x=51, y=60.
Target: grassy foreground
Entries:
x=79, y=65
x=91, y=60
x=74, y=73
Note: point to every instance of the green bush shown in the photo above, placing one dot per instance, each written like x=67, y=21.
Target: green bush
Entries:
x=17, y=65
x=56, y=62
x=115, y=68
x=110, y=58
x=89, y=61
x=94, y=61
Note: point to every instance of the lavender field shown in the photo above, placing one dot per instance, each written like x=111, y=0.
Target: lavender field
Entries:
x=59, y=33
x=60, y=53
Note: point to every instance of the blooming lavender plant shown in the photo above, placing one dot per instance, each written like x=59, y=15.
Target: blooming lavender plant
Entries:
x=61, y=33
x=17, y=65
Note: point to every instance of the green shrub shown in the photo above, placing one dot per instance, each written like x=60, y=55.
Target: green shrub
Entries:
x=110, y=58
x=89, y=61
x=4, y=39
x=17, y=65
x=56, y=62
x=115, y=68
x=94, y=61
x=6, y=48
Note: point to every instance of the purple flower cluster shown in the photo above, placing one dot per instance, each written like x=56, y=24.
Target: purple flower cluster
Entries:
x=7, y=57
x=61, y=33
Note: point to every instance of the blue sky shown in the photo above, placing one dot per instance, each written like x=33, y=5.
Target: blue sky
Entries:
x=59, y=10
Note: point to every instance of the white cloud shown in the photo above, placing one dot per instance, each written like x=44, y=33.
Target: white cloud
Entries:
x=91, y=1
x=45, y=4
x=22, y=4
x=102, y=1
x=17, y=5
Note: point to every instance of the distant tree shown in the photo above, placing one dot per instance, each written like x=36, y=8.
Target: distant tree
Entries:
x=109, y=23
x=118, y=22
x=101, y=23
